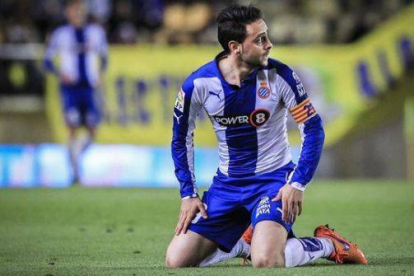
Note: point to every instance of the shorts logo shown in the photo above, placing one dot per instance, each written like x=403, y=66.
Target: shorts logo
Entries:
x=263, y=92
x=264, y=200
x=179, y=102
x=257, y=118
x=263, y=207
x=177, y=117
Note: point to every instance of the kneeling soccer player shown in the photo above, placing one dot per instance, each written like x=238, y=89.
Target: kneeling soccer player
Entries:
x=246, y=96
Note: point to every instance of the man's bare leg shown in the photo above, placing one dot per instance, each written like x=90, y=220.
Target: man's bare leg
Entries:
x=268, y=244
x=73, y=154
x=188, y=250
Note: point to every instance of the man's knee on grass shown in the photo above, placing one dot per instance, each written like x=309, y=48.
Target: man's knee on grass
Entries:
x=174, y=261
x=268, y=245
x=188, y=250
x=178, y=255
x=269, y=260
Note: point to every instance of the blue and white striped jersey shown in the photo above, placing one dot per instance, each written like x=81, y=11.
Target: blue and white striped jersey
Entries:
x=82, y=53
x=249, y=122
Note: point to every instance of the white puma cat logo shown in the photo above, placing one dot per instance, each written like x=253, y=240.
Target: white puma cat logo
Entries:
x=178, y=118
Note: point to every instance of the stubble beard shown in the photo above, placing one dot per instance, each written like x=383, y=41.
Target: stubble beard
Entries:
x=253, y=63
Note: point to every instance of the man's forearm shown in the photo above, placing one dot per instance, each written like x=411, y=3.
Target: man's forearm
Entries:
x=314, y=137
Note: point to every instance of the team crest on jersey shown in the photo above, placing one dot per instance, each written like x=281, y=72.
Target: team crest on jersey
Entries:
x=179, y=102
x=263, y=92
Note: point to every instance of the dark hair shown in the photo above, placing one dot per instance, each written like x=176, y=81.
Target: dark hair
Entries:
x=232, y=23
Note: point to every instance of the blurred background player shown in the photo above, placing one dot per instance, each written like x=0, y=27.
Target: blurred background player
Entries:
x=82, y=51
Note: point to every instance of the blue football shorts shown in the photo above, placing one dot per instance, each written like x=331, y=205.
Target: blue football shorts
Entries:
x=235, y=203
x=80, y=106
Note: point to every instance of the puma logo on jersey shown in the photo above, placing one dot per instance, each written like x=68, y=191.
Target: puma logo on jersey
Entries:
x=177, y=117
x=214, y=94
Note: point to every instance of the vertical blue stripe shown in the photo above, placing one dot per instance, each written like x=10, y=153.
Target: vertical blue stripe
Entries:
x=80, y=39
x=241, y=139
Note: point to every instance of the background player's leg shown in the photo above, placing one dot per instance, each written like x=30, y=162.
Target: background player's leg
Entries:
x=90, y=118
x=268, y=244
x=70, y=99
x=88, y=140
x=73, y=153
x=190, y=249
x=78, y=144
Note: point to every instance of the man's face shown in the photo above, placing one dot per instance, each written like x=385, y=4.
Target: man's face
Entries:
x=76, y=13
x=256, y=47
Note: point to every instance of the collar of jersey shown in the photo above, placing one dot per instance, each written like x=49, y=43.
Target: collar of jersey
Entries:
x=244, y=82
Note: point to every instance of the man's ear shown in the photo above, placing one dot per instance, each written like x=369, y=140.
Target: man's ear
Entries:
x=235, y=47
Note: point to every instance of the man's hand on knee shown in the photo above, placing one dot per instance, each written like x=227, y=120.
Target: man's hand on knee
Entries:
x=189, y=208
x=291, y=202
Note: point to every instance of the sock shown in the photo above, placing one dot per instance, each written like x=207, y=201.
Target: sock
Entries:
x=73, y=156
x=305, y=250
x=241, y=249
x=77, y=146
x=85, y=142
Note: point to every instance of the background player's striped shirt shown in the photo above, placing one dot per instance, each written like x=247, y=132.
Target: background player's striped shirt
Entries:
x=82, y=53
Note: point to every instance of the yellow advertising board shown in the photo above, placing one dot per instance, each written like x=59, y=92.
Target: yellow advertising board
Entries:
x=142, y=82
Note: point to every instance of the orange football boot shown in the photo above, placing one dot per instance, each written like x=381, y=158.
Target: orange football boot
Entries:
x=248, y=235
x=345, y=251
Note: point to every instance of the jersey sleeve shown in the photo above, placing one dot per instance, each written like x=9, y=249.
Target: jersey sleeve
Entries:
x=51, y=51
x=187, y=107
x=296, y=100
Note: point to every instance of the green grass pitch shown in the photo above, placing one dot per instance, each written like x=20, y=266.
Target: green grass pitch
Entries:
x=108, y=231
